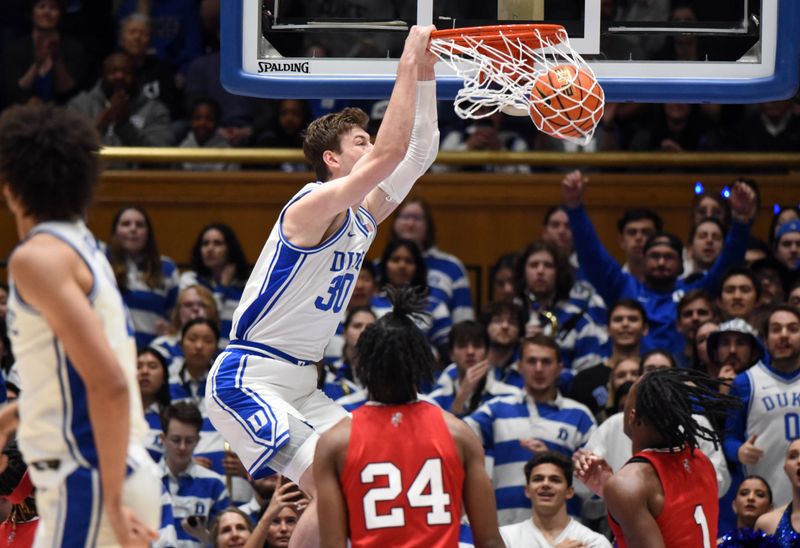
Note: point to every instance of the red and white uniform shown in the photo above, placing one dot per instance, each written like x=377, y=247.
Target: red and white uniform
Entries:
x=402, y=478
x=691, y=507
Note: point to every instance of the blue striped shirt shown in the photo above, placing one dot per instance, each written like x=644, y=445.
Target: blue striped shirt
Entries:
x=227, y=297
x=436, y=327
x=154, y=445
x=449, y=283
x=169, y=346
x=148, y=305
x=564, y=425
x=167, y=535
x=444, y=393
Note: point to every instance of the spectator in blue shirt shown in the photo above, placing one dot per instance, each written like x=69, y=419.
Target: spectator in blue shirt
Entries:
x=661, y=288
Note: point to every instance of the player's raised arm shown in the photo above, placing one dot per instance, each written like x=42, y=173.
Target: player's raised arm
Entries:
x=54, y=280
x=357, y=166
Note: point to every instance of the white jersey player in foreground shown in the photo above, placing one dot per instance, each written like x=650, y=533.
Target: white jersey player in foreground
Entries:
x=81, y=421
x=262, y=393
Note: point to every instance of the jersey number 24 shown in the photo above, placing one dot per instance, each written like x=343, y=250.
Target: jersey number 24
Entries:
x=428, y=479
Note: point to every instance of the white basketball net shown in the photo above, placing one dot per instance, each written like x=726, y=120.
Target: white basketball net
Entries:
x=502, y=77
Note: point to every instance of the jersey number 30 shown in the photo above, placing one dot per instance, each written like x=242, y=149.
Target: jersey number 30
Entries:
x=429, y=479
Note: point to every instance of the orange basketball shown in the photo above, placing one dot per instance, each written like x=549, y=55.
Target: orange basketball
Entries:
x=566, y=101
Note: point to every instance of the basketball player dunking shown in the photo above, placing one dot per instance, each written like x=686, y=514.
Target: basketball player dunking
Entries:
x=262, y=393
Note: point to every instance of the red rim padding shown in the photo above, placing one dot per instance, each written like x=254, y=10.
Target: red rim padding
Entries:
x=492, y=35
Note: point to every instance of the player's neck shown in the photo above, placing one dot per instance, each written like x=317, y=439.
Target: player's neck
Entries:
x=551, y=525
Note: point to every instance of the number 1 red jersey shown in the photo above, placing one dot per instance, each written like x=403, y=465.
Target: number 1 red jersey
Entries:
x=691, y=507
x=402, y=478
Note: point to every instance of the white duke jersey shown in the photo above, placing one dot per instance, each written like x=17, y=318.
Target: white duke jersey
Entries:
x=296, y=296
x=53, y=400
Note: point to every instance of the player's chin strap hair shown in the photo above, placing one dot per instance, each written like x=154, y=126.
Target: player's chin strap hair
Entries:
x=422, y=148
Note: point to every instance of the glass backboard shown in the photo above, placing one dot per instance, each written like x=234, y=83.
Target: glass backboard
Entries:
x=719, y=51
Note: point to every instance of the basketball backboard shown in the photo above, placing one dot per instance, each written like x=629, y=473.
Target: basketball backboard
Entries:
x=718, y=51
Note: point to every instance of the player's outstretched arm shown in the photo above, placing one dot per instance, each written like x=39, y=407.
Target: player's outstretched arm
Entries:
x=308, y=219
x=479, y=501
x=51, y=277
x=626, y=495
x=331, y=504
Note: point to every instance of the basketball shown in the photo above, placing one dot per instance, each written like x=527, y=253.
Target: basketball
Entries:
x=566, y=101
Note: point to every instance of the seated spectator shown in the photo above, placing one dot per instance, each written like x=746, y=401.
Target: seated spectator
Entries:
x=548, y=485
x=702, y=361
x=204, y=118
x=622, y=378
x=292, y=119
x=538, y=419
x=787, y=245
x=740, y=292
x=505, y=325
x=627, y=325
x=155, y=77
x=147, y=280
x=501, y=279
x=45, y=65
x=779, y=522
x=402, y=265
x=661, y=287
x=753, y=500
x=176, y=35
x=694, y=308
x=772, y=127
x=758, y=433
x=783, y=216
x=153, y=378
x=678, y=127
x=122, y=114
x=233, y=527
x=468, y=381
x=447, y=277
x=198, y=494
x=218, y=263
x=657, y=359
x=543, y=280
x=341, y=379
x=705, y=245
x=194, y=301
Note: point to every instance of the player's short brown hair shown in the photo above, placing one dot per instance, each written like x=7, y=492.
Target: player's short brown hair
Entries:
x=325, y=133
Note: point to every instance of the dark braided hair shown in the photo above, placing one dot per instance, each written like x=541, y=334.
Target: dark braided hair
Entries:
x=666, y=399
x=394, y=356
x=15, y=469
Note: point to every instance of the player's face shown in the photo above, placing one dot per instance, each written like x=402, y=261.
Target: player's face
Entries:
x=752, y=500
x=400, y=267
x=692, y=315
x=353, y=145
x=634, y=236
x=558, y=232
x=179, y=443
x=364, y=290
x=503, y=285
x=358, y=323
x=625, y=371
x=661, y=264
x=707, y=244
x=233, y=531
x=625, y=326
x=783, y=336
x=135, y=38
x=503, y=330
x=548, y=489
x=411, y=224
x=540, y=367
x=199, y=346
x=654, y=362
x=281, y=528
x=738, y=297
x=791, y=464
x=734, y=349
x=149, y=374
x=466, y=354
x=701, y=340
x=540, y=273
x=191, y=305
x=788, y=250
x=213, y=250
x=131, y=231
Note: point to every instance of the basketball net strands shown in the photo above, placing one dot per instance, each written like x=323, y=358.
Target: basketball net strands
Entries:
x=521, y=70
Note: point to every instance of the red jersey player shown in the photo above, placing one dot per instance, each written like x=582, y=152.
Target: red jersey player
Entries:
x=666, y=495
x=397, y=472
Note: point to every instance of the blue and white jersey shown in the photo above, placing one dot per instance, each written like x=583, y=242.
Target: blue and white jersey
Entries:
x=169, y=346
x=148, y=305
x=339, y=388
x=436, y=326
x=449, y=283
x=564, y=425
x=771, y=411
x=227, y=297
x=197, y=491
x=167, y=535
x=54, y=397
x=153, y=443
x=296, y=296
x=444, y=393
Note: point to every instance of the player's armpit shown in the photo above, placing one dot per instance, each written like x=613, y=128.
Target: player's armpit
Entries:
x=626, y=497
x=331, y=505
